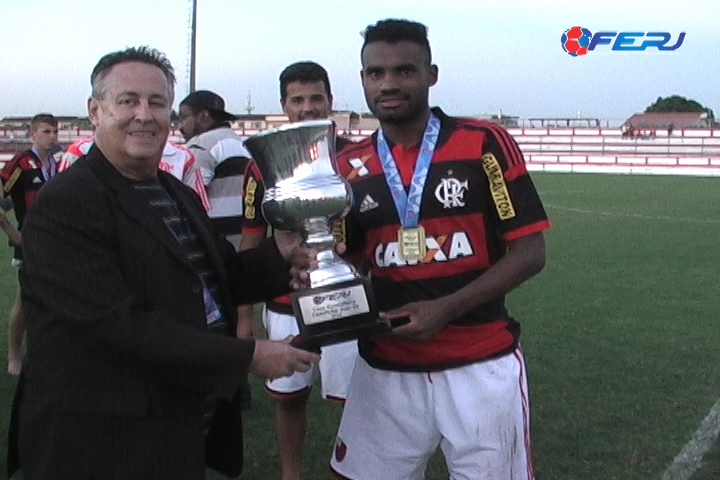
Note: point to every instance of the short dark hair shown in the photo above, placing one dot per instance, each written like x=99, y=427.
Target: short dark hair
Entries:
x=396, y=30
x=143, y=54
x=43, y=118
x=305, y=72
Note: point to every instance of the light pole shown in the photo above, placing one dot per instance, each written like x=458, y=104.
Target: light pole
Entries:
x=193, y=32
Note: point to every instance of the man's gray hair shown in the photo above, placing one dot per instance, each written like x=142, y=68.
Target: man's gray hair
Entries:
x=143, y=54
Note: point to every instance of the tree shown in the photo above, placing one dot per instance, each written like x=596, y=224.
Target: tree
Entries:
x=676, y=103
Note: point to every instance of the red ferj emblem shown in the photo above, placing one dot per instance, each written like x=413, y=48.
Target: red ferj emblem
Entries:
x=340, y=450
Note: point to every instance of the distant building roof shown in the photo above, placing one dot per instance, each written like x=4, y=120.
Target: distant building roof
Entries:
x=502, y=119
x=27, y=119
x=664, y=120
x=564, y=122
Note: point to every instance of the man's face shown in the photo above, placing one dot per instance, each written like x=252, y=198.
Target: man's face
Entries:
x=397, y=78
x=132, y=119
x=190, y=122
x=44, y=136
x=306, y=101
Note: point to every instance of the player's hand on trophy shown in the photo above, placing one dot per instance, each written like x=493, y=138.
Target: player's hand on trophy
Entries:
x=275, y=359
x=301, y=257
x=287, y=242
x=418, y=321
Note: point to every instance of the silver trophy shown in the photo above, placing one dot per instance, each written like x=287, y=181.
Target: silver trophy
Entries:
x=305, y=193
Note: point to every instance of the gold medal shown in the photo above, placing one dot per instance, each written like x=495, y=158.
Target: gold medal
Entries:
x=412, y=243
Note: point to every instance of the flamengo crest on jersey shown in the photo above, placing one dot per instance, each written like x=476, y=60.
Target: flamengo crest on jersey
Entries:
x=450, y=192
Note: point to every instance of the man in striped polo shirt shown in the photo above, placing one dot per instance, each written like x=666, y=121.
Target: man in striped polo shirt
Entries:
x=221, y=156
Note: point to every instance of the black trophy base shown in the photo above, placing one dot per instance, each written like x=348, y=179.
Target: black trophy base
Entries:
x=314, y=341
x=314, y=335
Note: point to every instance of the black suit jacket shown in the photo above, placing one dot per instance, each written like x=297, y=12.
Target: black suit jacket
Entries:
x=119, y=362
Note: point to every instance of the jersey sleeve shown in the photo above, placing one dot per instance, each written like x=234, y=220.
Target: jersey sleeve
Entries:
x=76, y=150
x=253, y=193
x=193, y=178
x=515, y=203
x=205, y=162
x=13, y=186
x=10, y=174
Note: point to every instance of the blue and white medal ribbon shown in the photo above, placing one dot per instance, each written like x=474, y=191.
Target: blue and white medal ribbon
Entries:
x=411, y=236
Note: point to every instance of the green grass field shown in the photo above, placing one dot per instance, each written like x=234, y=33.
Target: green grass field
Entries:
x=620, y=332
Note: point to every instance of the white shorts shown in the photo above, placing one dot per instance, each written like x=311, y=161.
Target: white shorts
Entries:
x=336, y=362
x=478, y=414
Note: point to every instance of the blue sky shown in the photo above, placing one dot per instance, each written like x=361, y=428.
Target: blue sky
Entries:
x=492, y=55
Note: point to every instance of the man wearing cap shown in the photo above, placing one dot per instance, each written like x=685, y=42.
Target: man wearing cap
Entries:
x=221, y=157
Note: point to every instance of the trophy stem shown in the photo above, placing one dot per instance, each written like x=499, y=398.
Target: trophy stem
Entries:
x=318, y=234
x=331, y=269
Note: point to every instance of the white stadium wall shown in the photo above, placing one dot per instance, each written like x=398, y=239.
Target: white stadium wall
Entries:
x=551, y=149
x=598, y=150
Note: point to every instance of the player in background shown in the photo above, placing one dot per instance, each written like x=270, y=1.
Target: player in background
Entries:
x=220, y=155
x=22, y=178
x=304, y=95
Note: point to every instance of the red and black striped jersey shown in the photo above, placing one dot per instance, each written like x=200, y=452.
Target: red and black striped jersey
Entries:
x=254, y=222
x=477, y=197
x=22, y=178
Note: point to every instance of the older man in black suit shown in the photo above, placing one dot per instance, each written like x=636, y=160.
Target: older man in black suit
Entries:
x=132, y=370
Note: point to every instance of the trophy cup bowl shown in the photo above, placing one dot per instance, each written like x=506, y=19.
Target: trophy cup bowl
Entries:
x=304, y=193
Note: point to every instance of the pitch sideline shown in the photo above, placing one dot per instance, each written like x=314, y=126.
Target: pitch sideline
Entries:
x=630, y=215
x=689, y=460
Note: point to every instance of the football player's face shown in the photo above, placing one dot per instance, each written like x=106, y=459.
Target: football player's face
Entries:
x=306, y=101
x=397, y=78
x=44, y=136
